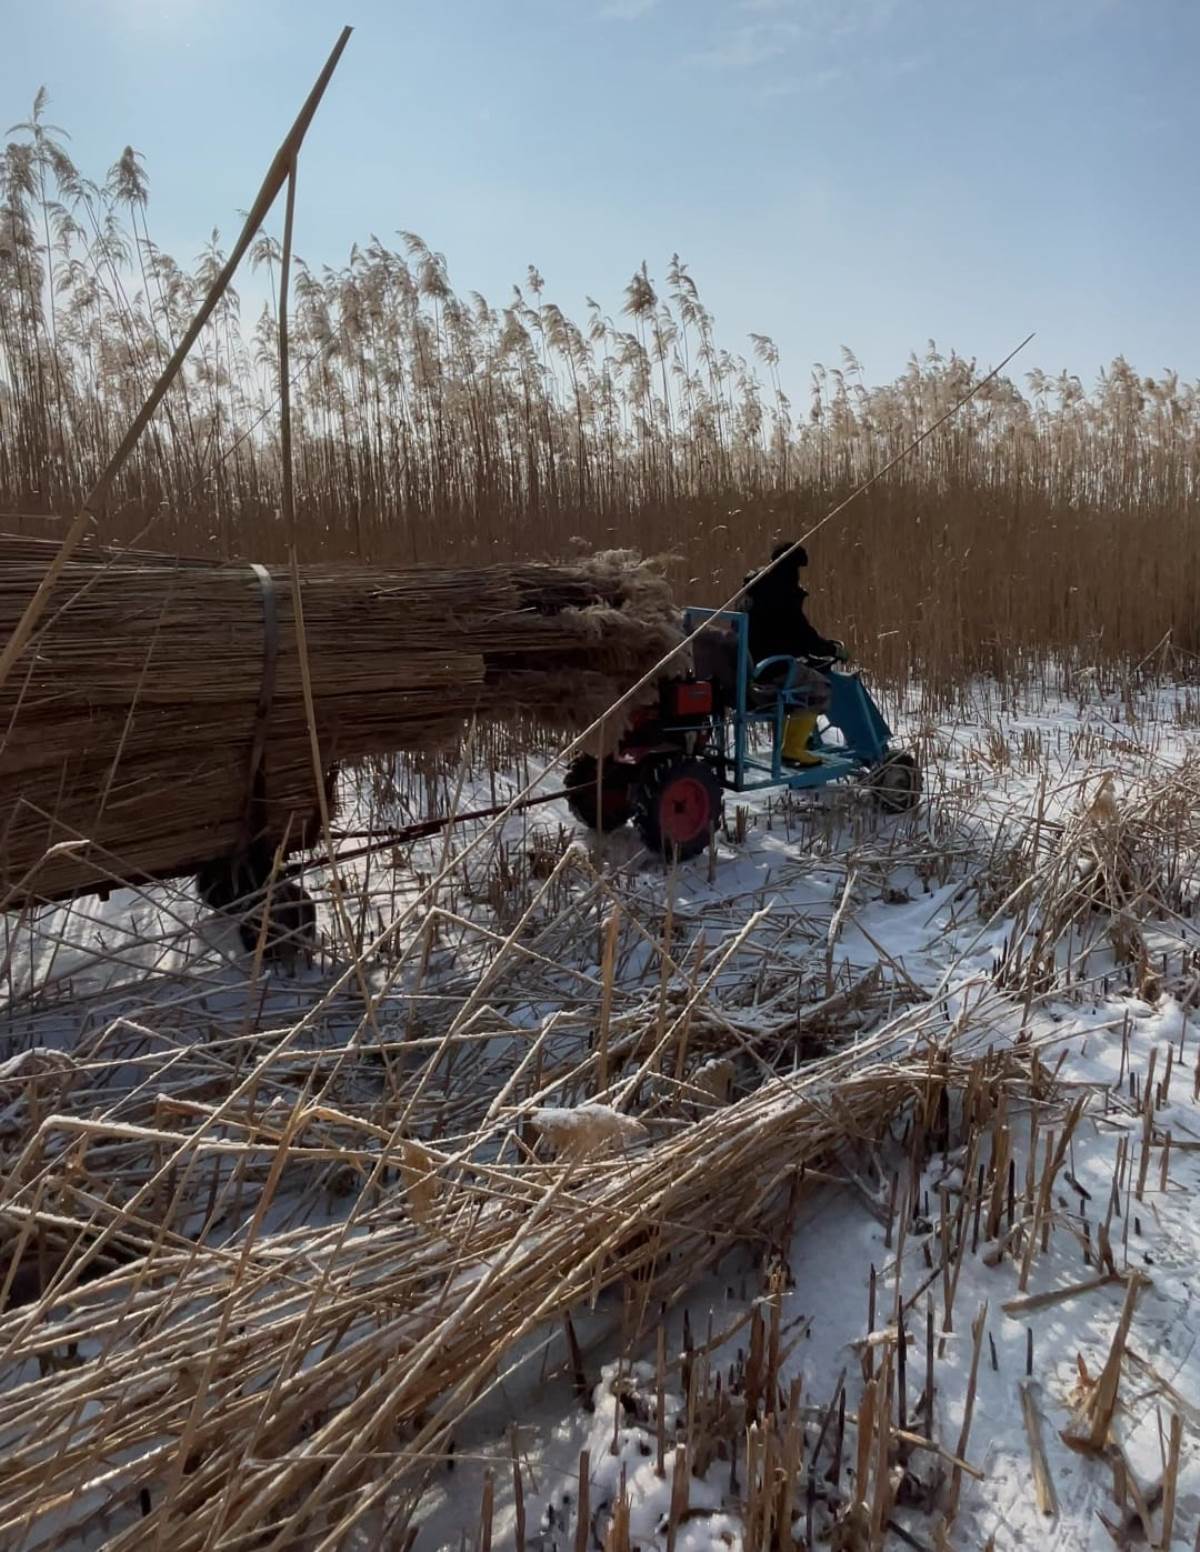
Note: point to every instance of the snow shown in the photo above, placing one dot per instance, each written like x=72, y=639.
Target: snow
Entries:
x=932, y=933
x=863, y=915
x=581, y=1130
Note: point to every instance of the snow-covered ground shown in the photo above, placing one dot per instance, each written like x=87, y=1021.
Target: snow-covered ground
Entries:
x=820, y=923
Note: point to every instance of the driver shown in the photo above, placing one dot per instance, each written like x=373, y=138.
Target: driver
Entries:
x=779, y=627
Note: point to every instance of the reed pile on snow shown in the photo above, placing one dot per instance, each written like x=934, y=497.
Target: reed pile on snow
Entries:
x=278, y=1388
x=131, y=720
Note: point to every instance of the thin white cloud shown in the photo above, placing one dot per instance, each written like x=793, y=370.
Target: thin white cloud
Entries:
x=821, y=80
x=828, y=17
x=893, y=69
x=742, y=48
x=627, y=10
x=184, y=18
x=822, y=31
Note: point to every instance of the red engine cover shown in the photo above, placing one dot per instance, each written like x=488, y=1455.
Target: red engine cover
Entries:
x=693, y=698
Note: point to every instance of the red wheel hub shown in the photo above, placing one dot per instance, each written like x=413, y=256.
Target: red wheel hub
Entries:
x=685, y=810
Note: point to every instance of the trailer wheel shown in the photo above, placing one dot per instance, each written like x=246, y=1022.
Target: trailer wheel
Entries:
x=896, y=784
x=238, y=886
x=677, y=808
x=232, y=883
x=615, y=807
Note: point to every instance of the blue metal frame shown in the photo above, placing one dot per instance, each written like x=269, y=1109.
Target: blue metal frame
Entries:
x=851, y=711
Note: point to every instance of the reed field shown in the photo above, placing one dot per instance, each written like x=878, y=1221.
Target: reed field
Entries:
x=1048, y=514
x=833, y=1189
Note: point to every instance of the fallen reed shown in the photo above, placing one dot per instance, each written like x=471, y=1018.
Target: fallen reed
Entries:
x=273, y=1370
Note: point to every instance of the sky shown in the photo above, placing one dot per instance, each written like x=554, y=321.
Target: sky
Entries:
x=862, y=173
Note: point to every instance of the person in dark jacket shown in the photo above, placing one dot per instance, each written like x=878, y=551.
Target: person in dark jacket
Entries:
x=778, y=626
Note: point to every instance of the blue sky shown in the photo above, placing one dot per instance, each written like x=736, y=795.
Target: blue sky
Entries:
x=863, y=172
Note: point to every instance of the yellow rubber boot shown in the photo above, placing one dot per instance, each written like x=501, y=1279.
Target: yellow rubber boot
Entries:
x=797, y=731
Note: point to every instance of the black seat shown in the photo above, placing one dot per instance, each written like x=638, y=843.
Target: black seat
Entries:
x=715, y=655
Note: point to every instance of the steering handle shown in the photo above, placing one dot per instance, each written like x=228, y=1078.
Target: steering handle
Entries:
x=779, y=657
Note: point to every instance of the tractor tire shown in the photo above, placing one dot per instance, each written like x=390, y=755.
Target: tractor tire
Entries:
x=896, y=784
x=677, y=808
x=615, y=807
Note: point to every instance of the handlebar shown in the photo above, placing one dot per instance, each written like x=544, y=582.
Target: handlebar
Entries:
x=793, y=663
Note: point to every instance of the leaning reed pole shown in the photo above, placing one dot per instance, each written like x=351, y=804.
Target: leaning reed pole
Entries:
x=282, y=168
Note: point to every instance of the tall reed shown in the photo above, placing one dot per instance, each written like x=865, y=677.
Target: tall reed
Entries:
x=433, y=426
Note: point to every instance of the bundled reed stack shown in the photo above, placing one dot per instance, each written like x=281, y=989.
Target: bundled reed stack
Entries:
x=159, y=716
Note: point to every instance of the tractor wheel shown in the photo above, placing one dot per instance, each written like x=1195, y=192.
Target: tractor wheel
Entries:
x=615, y=807
x=896, y=784
x=678, y=808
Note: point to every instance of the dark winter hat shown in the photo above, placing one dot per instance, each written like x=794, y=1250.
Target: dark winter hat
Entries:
x=800, y=558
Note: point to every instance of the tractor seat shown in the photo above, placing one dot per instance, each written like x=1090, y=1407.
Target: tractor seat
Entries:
x=715, y=657
x=782, y=677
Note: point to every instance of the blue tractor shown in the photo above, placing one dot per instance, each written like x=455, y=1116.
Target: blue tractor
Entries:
x=678, y=759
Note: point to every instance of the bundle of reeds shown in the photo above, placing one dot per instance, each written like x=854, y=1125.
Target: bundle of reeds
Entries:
x=133, y=721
